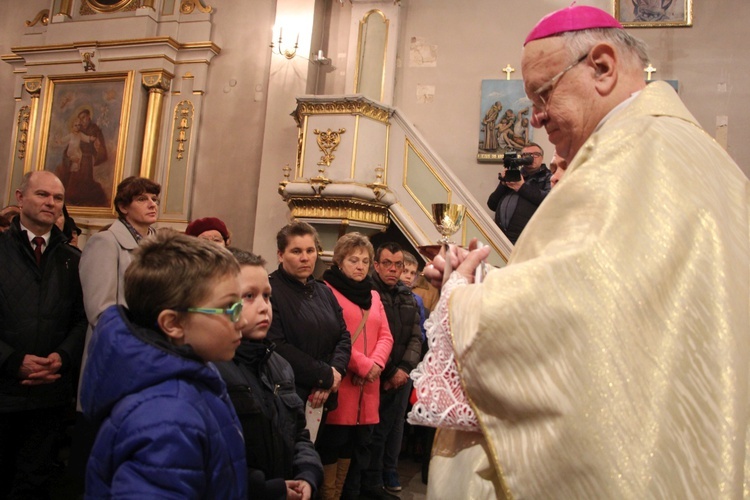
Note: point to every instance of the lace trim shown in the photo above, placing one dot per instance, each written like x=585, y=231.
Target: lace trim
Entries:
x=441, y=401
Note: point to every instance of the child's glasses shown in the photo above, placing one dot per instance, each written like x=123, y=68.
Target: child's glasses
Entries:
x=234, y=312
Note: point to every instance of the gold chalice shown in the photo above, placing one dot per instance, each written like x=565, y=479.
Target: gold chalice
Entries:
x=448, y=218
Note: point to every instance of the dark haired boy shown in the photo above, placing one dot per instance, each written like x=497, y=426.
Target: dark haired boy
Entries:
x=281, y=459
x=167, y=427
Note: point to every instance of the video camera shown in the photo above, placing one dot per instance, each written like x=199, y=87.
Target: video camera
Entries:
x=513, y=161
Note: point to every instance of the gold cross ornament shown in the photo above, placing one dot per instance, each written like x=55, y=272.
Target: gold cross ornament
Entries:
x=508, y=70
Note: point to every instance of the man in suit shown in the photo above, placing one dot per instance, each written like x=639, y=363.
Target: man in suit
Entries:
x=42, y=325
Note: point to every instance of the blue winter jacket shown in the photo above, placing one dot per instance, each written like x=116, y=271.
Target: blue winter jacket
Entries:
x=167, y=426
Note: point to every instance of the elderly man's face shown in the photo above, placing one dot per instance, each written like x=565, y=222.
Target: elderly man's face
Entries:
x=564, y=109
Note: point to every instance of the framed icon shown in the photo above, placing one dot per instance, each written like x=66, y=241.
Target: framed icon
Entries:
x=84, y=130
x=654, y=13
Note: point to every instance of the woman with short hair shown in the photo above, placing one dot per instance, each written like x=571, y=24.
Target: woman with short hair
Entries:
x=345, y=441
x=108, y=253
x=308, y=326
x=106, y=256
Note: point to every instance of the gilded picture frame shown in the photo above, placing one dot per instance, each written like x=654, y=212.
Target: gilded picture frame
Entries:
x=83, y=137
x=107, y=6
x=654, y=13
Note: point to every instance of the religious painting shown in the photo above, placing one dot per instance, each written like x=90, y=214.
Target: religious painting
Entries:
x=83, y=137
x=654, y=13
x=504, y=119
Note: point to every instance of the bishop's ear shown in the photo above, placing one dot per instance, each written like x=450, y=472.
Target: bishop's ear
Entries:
x=604, y=59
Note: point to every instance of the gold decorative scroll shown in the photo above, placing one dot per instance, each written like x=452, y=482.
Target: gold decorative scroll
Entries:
x=339, y=208
x=328, y=141
x=23, y=131
x=175, y=192
x=42, y=16
x=22, y=156
x=362, y=108
x=183, y=121
x=188, y=6
x=300, y=147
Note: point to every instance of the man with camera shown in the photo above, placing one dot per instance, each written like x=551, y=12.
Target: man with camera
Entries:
x=523, y=186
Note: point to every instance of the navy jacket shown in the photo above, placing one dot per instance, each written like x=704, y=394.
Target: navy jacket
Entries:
x=41, y=312
x=167, y=426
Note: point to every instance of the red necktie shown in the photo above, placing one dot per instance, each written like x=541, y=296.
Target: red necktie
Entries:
x=38, y=241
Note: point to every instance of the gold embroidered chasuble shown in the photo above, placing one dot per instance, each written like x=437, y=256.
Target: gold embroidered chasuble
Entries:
x=611, y=357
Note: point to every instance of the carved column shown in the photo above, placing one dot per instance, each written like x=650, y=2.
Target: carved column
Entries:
x=64, y=8
x=26, y=118
x=32, y=85
x=157, y=83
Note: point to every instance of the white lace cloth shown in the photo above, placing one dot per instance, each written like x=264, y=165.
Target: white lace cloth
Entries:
x=441, y=401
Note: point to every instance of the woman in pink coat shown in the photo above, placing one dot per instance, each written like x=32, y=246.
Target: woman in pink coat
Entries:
x=345, y=440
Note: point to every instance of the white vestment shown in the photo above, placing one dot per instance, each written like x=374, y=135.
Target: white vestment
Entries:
x=610, y=358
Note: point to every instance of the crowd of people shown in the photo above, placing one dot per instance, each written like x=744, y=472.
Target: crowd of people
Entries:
x=188, y=358
x=608, y=359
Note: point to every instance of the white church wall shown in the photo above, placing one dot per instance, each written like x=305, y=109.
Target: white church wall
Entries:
x=475, y=40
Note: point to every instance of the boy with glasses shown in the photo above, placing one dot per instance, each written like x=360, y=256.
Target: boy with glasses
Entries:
x=167, y=426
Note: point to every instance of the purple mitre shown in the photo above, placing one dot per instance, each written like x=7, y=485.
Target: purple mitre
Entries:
x=573, y=18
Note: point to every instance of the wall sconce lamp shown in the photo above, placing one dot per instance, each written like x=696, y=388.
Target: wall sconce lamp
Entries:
x=278, y=48
x=289, y=54
x=321, y=59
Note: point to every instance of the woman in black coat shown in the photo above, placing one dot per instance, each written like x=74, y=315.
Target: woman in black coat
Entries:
x=308, y=325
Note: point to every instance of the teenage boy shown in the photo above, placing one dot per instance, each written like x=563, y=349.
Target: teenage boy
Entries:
x=409, y=278
x=167, y=426
x=420, y=438
x=282, y=461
